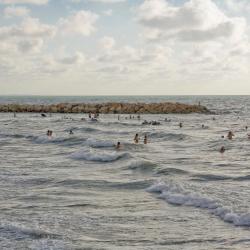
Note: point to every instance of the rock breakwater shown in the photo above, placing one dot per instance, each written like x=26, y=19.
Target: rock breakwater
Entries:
x=107, y=108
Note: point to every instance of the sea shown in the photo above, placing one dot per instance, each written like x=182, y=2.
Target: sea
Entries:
x=76, y=191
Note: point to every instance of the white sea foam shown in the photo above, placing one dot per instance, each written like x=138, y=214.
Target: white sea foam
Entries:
x=177, y=195
x=90, y=155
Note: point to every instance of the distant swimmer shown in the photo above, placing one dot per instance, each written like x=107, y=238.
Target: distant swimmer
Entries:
x=90, y=115
x=71, y=132
x=230, y=135
x=139, y=117
x=49, y=133
x=145, y=122
x=180, y=125
x=222, y=149
x=118, y=145
x=222, y=136
x=43, y=115
x=145, y=141
x=136, y=139
x=246, y=127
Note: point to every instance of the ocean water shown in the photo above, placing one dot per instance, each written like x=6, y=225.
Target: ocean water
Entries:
x=78, y=192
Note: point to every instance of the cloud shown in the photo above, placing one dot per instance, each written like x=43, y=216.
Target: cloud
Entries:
x=237, y=6
x=29, y=28
x=78, y=58
x=81, y=22
x=108, y=12
x=36, y=2
x=28, y=36
x=107, y=42
x=16, y=12
x=195, y=20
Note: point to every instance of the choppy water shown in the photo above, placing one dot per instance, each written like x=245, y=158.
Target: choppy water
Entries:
x=78, y=192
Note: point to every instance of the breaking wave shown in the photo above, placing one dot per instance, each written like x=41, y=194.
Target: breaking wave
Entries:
x=177, y=195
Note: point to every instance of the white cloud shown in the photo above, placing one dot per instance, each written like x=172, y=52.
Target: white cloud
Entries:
x=237, y=6
x=36, y=2
x=108, y=12
x=29, y=28
x=16, y=12
x=29, y=36
x=107, y=42
x=81, y=22
x=195, y=20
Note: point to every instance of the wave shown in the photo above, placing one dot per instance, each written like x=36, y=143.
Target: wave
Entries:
x=70, y=140
x=90, y=155
x=168, y=136
x=177, y=195
x=141, y=165
x=168, y=171
x=21, y=231
x=99, y=143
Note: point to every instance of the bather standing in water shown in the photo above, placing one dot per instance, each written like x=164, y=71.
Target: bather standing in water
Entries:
x=136, y=139
x=118, y=145
x=230, y=135
x=180, y=125
x=222, y=149
x=145, y=141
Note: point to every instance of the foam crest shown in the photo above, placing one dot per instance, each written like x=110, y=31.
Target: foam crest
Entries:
x=90, y=155
x=176, y=195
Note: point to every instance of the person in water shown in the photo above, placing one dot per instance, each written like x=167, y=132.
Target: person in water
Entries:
x=136, y=139
x=230, y=135
x=180, y=125
x=118, y=145
x=71, y=132
x=222, y=149
x=49, y=133
x=145, y=141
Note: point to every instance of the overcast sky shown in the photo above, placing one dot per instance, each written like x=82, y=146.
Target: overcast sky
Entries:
x=124, y=47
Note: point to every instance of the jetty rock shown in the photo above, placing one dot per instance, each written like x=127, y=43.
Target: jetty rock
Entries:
x=107, y=108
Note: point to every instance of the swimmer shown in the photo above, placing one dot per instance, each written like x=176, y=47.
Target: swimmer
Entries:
x=230, y=135
x=136, y=139
x=145, y=139
x=180, y=125
x=49, y=133
x=118, y=145
x=90, y=115
x=43, y=115
x=246, y=127
x=222, y=136
x=222, y=149
x=71, y=132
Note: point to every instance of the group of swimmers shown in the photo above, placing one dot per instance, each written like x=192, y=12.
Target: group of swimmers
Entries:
x=136, y=140
x=229, y=136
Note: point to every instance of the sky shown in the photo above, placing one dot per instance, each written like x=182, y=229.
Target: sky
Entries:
x=124, y=47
